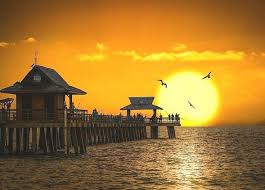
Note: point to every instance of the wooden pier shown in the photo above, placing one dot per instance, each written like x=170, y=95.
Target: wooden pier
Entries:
x=74, y=134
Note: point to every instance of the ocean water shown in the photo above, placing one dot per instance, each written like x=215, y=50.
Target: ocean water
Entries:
x=200, y=158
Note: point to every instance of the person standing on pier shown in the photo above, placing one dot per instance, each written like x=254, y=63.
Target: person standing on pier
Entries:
x=160, y=118
x=172, y=117
x=177, y=117
x=169, y=117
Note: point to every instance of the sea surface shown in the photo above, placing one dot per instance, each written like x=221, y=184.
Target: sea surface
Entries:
x=200, y=158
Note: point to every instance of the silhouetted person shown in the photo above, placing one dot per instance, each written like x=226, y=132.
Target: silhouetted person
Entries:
x=172, y=117
x=160, y=118
x=169, y=117
x=177, y=117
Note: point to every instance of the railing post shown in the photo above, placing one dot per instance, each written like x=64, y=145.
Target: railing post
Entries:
x=66, y=134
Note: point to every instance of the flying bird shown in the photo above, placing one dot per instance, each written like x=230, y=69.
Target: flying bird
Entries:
x=207, y=76
x=191, y=105
x=163, y=84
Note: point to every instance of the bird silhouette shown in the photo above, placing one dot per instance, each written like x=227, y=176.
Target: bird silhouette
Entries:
x=207, y=76
x=191, y=105
x=163, y=84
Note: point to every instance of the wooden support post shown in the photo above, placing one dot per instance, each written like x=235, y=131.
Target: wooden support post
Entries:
x=154, y=131
x=74, y=139
x=89, y=135
x=25, y=139
x=62, y=138
x=97, y=130
x=3, y=139
x=84, y=133
x=10, y=140
x=49, y=139
x=121, y=134
x=94, y=133
x=110, y=134
x=173, y=131
x=54, y=138
x=18, y=140
x=67, y=137
x=80, y=140
x=102, y=135
x=138, y=133
x=34, y=145
x=43, y=140
x=113, y=131
x=168, y=132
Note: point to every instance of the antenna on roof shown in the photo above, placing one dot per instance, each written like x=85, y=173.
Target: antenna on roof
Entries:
x=35, y=58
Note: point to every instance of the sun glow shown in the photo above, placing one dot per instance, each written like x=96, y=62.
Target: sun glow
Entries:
x=189, y=86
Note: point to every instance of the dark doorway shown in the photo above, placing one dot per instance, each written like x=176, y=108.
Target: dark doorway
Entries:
x=49, y=107
x=26, y=107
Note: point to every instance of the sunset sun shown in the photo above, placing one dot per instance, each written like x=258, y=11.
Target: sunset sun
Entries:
x=188, y=87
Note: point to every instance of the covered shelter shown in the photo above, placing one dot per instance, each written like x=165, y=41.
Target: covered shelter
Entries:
x=141, y=103
x=41, y=94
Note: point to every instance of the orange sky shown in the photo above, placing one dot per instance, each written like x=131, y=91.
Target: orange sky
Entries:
x=116, y=49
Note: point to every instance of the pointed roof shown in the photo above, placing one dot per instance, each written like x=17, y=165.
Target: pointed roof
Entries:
x=56, y=84
x=141, y=103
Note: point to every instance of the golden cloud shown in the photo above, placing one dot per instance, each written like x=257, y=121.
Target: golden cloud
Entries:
x=30, y=40
x=94, y=56
x=187, y=56
x=100, y=47
x=180, y=47
x=4, y=44
x=91, y=57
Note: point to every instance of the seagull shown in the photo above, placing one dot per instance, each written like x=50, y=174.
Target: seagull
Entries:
x=191, y=105
x=162, y=83
x=207, y=76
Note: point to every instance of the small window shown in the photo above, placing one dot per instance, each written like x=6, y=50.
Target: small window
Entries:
x=37, y=78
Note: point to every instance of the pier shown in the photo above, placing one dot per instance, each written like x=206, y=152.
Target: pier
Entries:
x=42, y=123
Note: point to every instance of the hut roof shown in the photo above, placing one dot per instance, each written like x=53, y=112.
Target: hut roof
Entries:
x=141, y=103
x=56, y=84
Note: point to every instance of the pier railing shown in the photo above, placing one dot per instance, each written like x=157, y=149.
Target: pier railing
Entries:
x=76, y=115
x=42, y=115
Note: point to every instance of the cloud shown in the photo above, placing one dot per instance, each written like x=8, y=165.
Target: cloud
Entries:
x=30, y=40
x=186, y=56
x=4, y=44
x=91, y=57
x=100, y=47
x=180, y=47
x=94, y=56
